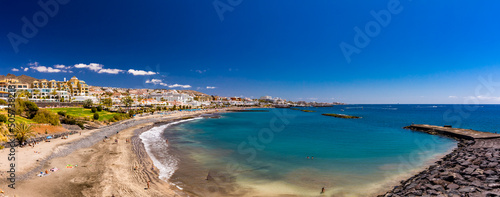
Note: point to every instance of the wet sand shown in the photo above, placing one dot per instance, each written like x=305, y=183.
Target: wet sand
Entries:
x=100, y=168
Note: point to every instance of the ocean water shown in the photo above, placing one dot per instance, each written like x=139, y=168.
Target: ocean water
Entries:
x=270, y=153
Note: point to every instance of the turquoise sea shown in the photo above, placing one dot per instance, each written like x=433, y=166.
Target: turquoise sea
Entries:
x=266, y=153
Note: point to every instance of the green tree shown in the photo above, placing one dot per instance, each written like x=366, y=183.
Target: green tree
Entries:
x=19, y=106
x=62, y=99
x=3, y=118
x=94, y=110
x=3, y=102
x=99, y=108
x=88, y=103
x=23, y=132
x=62, y=113
x=46, y=116
x=36, y=92
x=127, y=101
x=31, y=109
x=96, y=116
x=107, y=102
x=175, y=107
x=131, y=113
x=53, y=93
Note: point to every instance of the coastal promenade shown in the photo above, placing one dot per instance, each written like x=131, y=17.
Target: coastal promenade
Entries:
x=471, y=169
x=468, y=134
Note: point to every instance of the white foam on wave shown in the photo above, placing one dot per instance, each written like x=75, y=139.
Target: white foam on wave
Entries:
x=153, y=142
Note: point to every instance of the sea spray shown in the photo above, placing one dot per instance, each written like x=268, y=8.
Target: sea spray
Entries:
x=157, y=149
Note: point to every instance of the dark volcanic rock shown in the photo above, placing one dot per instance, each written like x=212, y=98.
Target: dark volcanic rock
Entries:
x=452, y=186
x=470, y=170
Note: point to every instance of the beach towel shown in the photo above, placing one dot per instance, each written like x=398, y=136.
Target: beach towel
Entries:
x=42, y=174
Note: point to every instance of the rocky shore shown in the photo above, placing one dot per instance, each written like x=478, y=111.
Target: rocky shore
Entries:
x=472, y=169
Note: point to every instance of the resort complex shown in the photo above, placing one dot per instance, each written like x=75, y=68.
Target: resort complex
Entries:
x=75, y=90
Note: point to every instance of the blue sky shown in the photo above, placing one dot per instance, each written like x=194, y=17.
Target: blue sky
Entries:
x=429, y=52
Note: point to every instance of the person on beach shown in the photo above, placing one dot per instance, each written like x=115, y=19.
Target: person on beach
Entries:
x=166, y=141
x=307, y=157
x=312, y=157
x=148, y=184
x=322, y=190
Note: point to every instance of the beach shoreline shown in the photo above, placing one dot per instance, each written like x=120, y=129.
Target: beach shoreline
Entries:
x=107, y=168
x=95, y=176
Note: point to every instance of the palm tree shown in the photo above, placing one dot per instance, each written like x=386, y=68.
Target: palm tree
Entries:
x=36, y=92
x=23, y=94
x=23, y=132
x=53, y=93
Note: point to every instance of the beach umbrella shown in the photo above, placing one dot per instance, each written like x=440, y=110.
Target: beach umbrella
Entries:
x=49, y=137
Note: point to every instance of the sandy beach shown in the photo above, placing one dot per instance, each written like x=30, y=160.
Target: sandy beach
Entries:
x=89, y=166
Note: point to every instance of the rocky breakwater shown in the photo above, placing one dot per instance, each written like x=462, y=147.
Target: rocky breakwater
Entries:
x=472, y=169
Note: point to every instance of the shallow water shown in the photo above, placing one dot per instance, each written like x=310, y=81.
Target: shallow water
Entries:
x=266, y=152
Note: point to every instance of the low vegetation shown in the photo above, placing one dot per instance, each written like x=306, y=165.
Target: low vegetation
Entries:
x=46, y=116
x=341, y=116
x=83, y=113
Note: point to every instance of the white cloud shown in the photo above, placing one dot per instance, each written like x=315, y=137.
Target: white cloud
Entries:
x=141, y=72
x=110, y=71
x=44, y=69
x=211, y=87
x=26, y=69
x=15, y=69
x=154, y=81
x=160, y=82
x=200, y=71
x=179, y=86
x=453, y=97
x=99, y=68
x=92, y=66
x=63, y=67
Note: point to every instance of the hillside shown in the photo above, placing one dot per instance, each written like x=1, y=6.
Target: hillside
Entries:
x=21, y=78
x=192, y=92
